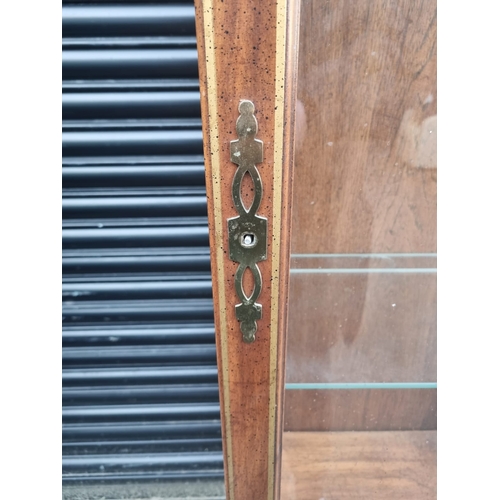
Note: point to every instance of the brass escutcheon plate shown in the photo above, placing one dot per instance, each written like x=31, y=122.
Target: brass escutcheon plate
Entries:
x=247, y=231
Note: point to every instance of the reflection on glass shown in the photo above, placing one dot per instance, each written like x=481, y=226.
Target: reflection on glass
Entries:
x=361, y=353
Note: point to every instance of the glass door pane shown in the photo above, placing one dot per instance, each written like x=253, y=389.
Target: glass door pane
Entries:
x=360, y=404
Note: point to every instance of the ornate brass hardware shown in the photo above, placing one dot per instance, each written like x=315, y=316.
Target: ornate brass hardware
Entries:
x=248, y=231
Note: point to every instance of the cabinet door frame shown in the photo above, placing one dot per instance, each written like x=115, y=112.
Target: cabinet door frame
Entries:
x=248, y=51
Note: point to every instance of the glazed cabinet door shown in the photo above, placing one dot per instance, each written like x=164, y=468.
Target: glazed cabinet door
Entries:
x=343, y=269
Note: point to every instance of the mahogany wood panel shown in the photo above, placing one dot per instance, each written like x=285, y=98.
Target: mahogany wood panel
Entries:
x=365, y=170
x=365, y=182
x=245, y=54
x=362, y=328
x=360, y=410
x=359, y=466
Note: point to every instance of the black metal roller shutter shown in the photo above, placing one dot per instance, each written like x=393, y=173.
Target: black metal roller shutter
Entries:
x=140, y=397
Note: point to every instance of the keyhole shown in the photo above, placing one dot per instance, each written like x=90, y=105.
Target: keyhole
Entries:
x=248, y=240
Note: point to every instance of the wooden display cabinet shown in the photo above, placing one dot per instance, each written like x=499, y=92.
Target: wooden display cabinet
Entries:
x=350, y=113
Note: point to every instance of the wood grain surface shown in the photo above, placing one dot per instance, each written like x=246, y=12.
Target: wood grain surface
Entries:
x=243, y=55
x=359, y=466
x=362, y=328
x=365, y=170
x=365, y=182
x=360, y=409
